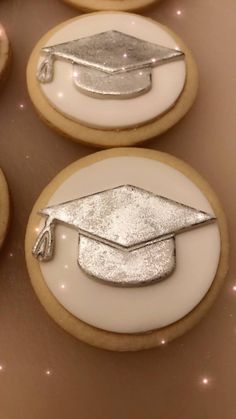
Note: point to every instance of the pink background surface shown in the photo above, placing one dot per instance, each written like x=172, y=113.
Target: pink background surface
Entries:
x=44, y=372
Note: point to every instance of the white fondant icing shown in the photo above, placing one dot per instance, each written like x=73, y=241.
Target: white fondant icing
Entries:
x=167, y=80
x=133, y=310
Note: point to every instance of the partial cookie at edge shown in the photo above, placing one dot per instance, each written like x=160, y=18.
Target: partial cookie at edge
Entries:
x=5, y=55
x=122, y=5
x=4, y=208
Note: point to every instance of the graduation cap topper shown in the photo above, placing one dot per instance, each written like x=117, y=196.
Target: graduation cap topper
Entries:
x=108, y=64
x=126, y=234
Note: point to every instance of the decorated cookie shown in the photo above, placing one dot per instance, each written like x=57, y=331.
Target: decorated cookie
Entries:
x=4, y=54
x=127, y=248
x=4, y=207
x=111, y=79
x=126, y=5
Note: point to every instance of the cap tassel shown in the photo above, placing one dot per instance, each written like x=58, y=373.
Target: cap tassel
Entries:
x=45, y=72
x=44, y=246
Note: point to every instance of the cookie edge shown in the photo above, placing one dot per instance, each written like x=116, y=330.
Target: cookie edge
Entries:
x=114, y=5
x=5, y=56
x=4, y=208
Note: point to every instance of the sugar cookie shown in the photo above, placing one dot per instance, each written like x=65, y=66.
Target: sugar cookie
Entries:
x=4, y=207
x=125, y=5
x=4, y=54
x=129, y=249
x=111, y=79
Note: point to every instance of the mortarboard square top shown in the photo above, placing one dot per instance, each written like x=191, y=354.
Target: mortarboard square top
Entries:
x=108, y=63
x=127, y=234
x=112, y=52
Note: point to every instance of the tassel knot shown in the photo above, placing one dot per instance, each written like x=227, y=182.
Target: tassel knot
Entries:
x=44, y=246
x=45, y=72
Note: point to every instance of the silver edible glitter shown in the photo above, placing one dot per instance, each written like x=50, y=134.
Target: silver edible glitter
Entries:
x=126, y=234
x=139, y=267
x=110, y=63
x=121, y=86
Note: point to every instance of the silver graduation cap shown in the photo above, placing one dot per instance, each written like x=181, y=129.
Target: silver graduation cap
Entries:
x=126, y=234
x=108, y=64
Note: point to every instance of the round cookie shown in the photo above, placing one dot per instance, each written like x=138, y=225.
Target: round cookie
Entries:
x=4, y=207
x=142, y=81
x=94, y=287
x=125, y=5
x=4, y=54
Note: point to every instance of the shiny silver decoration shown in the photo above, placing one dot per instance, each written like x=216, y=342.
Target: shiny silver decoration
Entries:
x=44, y=246
x=147, y=264
x=110, y=63
x=120, y=86
x=126, y=234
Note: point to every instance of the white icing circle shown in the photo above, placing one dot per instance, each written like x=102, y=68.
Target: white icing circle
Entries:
x=133, y=310
x=167, y=80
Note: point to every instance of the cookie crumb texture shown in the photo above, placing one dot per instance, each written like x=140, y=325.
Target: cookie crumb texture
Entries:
x=125, y=5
